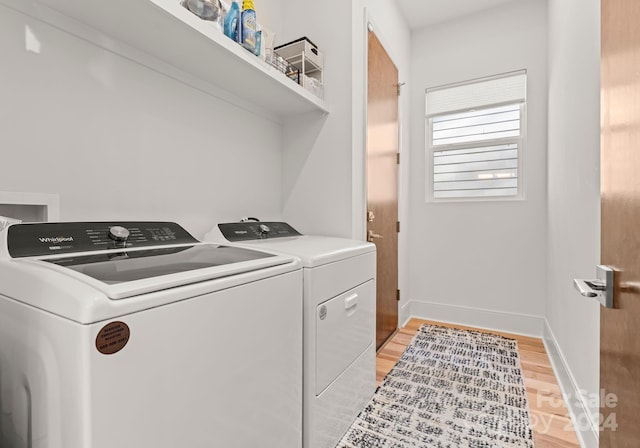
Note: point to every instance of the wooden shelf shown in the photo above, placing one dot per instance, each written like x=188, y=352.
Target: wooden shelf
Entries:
x=168, y=32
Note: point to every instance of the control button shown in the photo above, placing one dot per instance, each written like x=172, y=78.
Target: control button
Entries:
x=118, y=233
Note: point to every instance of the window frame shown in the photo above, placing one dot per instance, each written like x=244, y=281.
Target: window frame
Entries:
x=521, y=141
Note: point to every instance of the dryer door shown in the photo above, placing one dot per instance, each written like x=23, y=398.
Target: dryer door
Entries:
x=345, y=327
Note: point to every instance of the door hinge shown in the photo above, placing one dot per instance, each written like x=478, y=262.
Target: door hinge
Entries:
x=398, y=158
x=398, y=226
x=397, y=294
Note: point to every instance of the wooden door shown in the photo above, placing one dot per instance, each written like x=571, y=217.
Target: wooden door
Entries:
x=382, y=183
x=620, y=161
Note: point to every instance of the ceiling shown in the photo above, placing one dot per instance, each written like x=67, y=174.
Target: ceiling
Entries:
x=422, y=13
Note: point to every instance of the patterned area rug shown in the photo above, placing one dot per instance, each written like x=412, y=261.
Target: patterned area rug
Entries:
x=450, y=388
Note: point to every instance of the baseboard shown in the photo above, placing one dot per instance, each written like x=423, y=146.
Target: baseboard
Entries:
x=404, y=314
x=584, y=427
x=523, y=324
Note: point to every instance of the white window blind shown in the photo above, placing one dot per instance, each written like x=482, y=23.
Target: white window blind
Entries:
x=503, y=89
x=475, y=138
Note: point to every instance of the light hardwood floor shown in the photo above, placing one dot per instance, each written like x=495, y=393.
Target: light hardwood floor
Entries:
x=549, y=415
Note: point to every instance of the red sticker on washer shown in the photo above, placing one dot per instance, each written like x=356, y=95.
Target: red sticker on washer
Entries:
x=112, y=338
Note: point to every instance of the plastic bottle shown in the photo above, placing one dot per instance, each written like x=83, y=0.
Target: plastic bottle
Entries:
x=258, y=51
x=231, y=22
x=248, y=26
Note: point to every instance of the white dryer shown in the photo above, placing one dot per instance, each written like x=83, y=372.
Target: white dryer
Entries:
x=137, y=335
x=339, y=321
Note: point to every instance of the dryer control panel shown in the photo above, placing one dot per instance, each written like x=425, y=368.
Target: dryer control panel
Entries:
x=40, y=239
x=256, y=230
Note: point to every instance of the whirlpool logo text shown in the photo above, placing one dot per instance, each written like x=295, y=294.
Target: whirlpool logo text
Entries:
x=56, y=239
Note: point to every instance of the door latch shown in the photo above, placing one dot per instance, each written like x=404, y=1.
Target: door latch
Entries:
x=600, y=288
x=370, y=216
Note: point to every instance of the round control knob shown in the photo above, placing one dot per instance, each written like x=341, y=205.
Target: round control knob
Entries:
x=264, y=229
x=118, y=233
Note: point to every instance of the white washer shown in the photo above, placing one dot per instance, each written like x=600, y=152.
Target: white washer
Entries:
x=137, y=335
x=339, y=321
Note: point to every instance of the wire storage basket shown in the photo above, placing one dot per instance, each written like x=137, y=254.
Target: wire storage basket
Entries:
x=289, y=70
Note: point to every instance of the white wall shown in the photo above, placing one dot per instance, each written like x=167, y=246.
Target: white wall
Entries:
x=323, y=183
x=316, y=184
x=574, y=190
x=270, y=16
x=117, y=140
x=190, y=156
x=481, y=263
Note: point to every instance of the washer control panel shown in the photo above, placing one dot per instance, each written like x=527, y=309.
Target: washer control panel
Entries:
x=39, y=239
x=256, y=230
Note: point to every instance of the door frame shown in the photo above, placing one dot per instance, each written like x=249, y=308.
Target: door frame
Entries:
x=359, y=157
x=359, y=227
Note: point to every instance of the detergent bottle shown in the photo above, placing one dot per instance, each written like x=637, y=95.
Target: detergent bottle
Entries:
x=248, y=26
x=231, y=22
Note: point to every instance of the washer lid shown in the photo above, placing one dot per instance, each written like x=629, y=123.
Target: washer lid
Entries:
x=121, y=274
x=314, y=250
x=74, y=295
x=119, y=267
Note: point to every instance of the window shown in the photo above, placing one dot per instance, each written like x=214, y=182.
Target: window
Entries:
x=475, y=139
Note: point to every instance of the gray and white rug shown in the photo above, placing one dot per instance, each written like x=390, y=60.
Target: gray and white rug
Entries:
x=450, y=388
